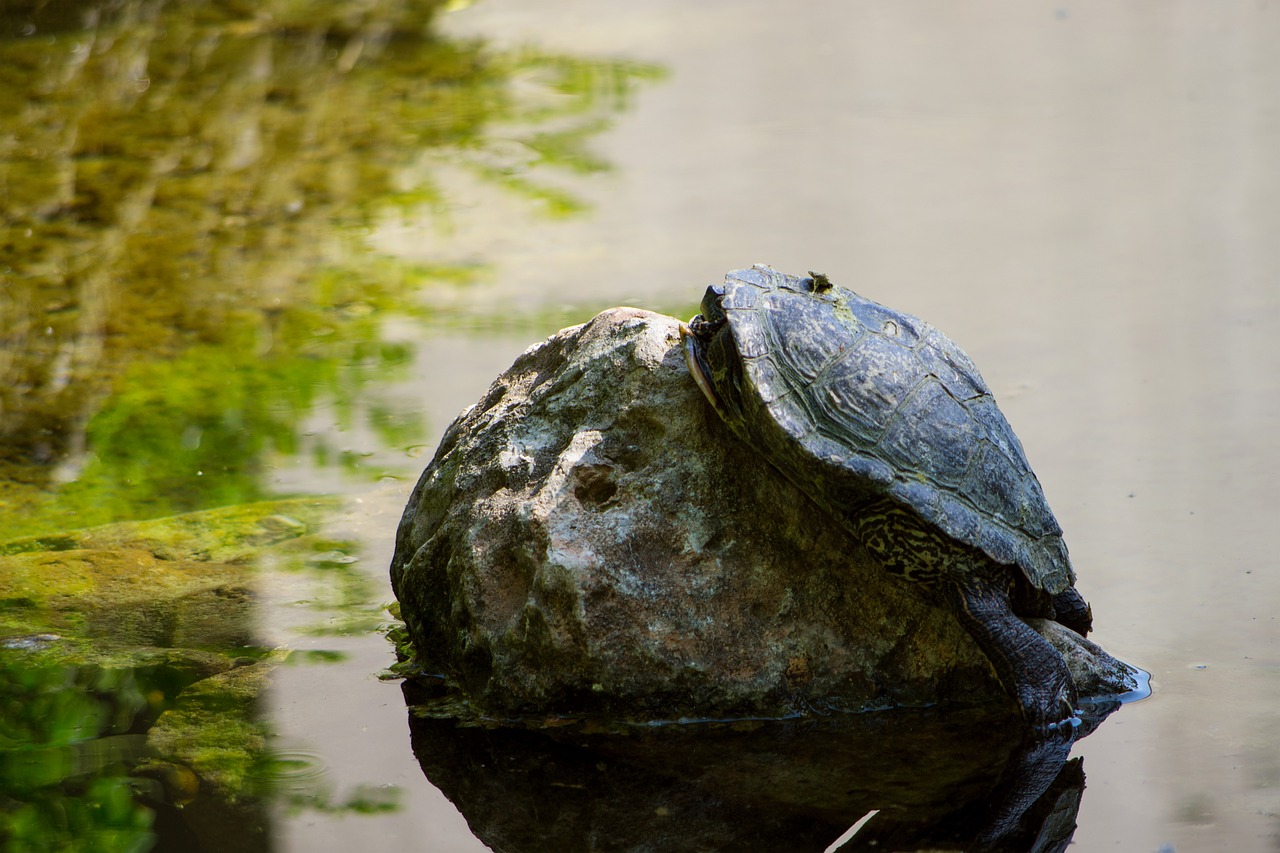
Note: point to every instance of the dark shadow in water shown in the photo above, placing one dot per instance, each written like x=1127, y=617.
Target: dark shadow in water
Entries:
x=959, y=779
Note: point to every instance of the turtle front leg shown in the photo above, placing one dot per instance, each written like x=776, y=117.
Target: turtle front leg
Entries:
x=1030, y=669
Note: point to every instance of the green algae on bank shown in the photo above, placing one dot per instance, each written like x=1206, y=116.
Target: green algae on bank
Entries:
x=184, y=581
x=231, y=534
x=132, y=665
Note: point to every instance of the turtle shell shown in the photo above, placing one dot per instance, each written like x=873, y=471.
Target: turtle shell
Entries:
x=856, y=402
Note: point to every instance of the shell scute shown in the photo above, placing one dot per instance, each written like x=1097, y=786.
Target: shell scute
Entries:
x=806, y=334
x=768, y=381
x=1001, y=492
x=863, y=388
x=931, y=426
x=920, y=496
x=750, y=335
x=953, y=368
x=995, y=540
x=838, y=453
x=892, y=326
x=741, y=298
x=831, y=451
x=792, y=417
x=759, y=276
x=958, y=520
x=996, y=430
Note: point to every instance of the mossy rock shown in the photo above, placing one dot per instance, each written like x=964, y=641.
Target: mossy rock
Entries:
x=216, y=729
x=233, y=534
x=183, y=581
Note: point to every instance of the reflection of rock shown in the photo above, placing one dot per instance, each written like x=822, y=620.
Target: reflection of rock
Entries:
x=589, y=537
x=940, y=780
x=1032, y=809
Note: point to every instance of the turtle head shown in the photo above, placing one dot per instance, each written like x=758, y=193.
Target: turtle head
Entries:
x=712, y=309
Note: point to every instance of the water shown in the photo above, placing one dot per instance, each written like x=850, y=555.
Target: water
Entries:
x=260, y=257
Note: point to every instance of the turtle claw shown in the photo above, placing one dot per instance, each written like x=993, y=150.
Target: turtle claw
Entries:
x=1046, y=716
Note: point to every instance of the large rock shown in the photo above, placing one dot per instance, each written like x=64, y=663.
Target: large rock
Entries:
x=590, y=538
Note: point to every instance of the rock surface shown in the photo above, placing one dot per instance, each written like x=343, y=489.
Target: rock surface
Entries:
x=590, y=538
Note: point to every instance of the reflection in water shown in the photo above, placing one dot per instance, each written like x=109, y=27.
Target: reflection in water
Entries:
x=182, y=278
x=184, y=269
x=933, y=779
x=61, y=724
x=131, y=709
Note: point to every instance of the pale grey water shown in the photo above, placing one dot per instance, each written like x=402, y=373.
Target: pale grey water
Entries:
x=1083, y=195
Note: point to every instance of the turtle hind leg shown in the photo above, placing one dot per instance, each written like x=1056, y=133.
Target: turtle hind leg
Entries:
x=1070, y=609
x=1030, y=669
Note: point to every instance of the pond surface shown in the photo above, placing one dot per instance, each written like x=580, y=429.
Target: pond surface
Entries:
x=252, y=255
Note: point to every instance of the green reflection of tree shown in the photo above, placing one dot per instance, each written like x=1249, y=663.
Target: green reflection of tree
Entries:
x=63, y=753
x=185, y=190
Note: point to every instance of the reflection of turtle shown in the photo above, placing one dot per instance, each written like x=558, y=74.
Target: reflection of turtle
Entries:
x=888, y=426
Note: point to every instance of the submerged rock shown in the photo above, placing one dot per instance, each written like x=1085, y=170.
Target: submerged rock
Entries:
x=590, y=538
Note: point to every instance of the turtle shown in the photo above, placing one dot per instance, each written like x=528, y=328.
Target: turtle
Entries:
x=887, y=425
